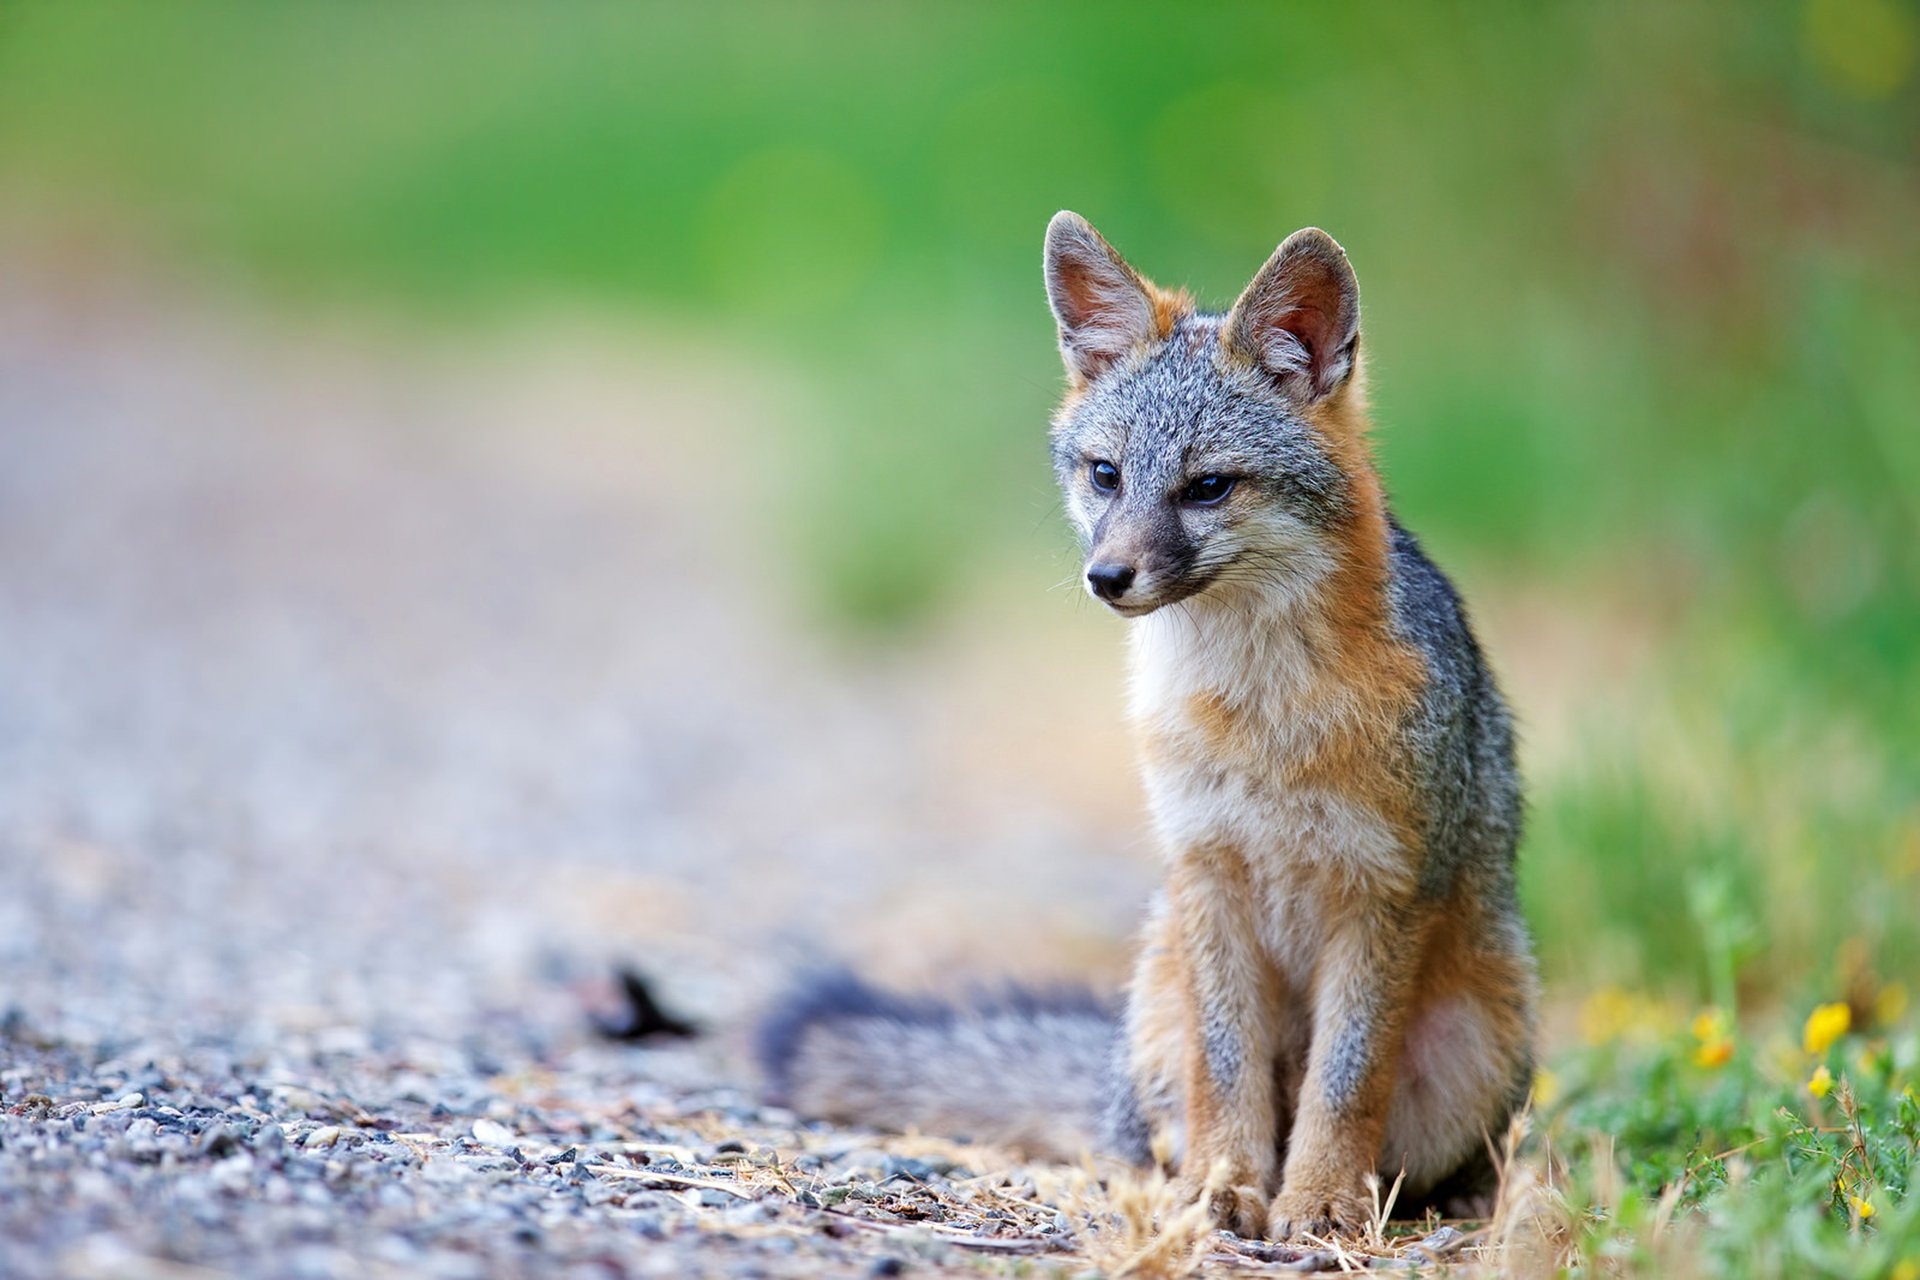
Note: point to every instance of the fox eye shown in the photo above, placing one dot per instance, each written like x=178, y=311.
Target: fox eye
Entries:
x=1105, y=476
x=1207, y=490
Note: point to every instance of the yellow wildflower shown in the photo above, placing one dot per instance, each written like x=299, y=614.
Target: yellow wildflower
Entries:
x=1716, y=1052
x=1714, y=1030
x=1822, y=1082
x=1827, y=1023
x=1546, y=1087
x=1709, y=1024
x=1862, y=1207
x=1905, y=1269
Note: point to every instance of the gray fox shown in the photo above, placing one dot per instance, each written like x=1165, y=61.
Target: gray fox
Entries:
x=1335, y=979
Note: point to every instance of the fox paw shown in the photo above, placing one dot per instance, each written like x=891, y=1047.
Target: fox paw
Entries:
x=1316, y=1213
x=1237, y=1207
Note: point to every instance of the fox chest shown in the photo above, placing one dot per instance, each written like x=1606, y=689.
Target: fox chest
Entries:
x=1305, y=807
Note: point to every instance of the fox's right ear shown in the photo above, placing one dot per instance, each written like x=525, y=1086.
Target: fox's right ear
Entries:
x=1103, y=307
x=1300, y=318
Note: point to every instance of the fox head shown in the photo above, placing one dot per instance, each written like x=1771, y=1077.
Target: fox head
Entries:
x=1206, y=454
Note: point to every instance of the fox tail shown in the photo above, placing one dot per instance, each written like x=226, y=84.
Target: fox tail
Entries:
x=1020, y=1068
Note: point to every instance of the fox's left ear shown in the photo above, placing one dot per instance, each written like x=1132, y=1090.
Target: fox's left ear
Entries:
x=1300, y=318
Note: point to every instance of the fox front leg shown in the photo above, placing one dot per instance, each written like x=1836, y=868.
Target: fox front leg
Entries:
x=1361, y=989
x=1231, y=1036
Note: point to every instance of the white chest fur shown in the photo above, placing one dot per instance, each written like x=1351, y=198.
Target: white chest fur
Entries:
x=1299, y=839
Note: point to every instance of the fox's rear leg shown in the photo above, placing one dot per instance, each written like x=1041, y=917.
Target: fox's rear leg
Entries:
x=1466, y=1067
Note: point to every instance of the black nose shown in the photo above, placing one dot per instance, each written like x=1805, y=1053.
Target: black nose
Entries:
x=1110, y=581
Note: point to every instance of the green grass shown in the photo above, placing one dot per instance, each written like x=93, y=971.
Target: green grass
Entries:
x=1738, y=1151
x=1641, y=293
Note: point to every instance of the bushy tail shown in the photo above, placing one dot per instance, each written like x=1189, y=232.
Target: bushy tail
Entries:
x=1020, y=1068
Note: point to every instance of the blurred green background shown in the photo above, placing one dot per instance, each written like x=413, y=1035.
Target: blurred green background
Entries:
x=1642, y=290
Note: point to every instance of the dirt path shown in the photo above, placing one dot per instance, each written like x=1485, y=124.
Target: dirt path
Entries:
x=358, y=710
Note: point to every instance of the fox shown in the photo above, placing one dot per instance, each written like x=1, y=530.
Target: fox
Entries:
x=1334, y=983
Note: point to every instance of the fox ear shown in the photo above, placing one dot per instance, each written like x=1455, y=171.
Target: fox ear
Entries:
x=1103, y=307
x=1300, y=318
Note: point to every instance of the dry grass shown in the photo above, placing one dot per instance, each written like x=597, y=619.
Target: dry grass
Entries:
x=1531, y=1232
x=1123, y=1222
x=1130, y=1225
x=1134, y=1226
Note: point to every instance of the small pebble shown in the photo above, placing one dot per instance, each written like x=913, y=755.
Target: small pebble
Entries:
x=492, y=1133
x=217, y=1140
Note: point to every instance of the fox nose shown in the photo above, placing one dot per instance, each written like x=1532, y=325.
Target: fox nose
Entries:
x=1110, y=581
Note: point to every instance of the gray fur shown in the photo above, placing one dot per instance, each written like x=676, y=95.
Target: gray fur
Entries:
x=1225, y=1049
x=1186, y=409
x=1462, y=739
x=1126, y=1131
x=1350, y=1059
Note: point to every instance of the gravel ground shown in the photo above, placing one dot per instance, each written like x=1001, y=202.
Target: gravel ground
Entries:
x=359, y=712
